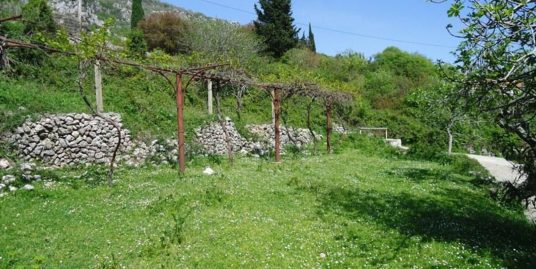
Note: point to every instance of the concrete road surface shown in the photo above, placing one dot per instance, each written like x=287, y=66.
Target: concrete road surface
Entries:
x=504, y=171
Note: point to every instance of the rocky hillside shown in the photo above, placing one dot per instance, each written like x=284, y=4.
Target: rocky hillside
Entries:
x=96, y=11
x=120, y=9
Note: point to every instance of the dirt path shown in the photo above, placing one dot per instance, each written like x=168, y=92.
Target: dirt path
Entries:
x=504, y=171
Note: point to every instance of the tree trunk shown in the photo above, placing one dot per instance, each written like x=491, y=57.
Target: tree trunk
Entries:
x=222, y=124
x=309, y=125
x=328, y=125
x=4, y=61
x=239, y=104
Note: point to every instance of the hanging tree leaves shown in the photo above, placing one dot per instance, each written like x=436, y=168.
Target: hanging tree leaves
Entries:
x=498, y=59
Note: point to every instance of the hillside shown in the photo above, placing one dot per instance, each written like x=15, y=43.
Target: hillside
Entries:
x=365, y=204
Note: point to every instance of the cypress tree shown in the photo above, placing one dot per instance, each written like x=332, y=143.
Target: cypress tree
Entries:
x=303, y=41
x=311, y=40
x=275, y=25
x=137, y=46
x=137, y=13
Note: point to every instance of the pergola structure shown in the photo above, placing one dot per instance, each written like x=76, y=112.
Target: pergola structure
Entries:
x=221, y=76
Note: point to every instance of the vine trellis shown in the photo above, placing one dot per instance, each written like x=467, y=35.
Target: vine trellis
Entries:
x=222, y=75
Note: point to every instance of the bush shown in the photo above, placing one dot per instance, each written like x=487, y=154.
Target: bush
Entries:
x=463, y=165
x=38, y=17
x=166, y=31
x=137, y=47
x=426, y=151
x=363, y=143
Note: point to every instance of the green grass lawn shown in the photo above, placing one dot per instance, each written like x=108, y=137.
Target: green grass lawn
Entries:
x=347, y=210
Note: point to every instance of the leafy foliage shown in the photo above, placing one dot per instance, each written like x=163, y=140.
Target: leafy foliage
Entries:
x=38, y=17
x=220, y=41
x=498, y=61
x=166, y=31
x=275, y=25
x=137, y=46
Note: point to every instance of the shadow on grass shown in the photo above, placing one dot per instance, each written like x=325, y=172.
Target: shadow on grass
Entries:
x=450, y=215
x=420, y=174
x=425, y=174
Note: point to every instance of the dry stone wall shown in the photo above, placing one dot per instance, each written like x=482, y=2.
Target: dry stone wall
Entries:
x=69, y=139
x=213, y=139
x=74, y=139
x=265, y=133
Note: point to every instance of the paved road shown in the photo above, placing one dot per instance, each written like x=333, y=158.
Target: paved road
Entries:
x=504, y=171
x=501, y=169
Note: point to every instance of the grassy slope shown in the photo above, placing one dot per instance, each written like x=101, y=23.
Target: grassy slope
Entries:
x=360, y=210
x=144, y=100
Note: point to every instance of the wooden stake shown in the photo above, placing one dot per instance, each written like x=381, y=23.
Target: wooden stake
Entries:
x=180, y=125
x=209, y=101
x=98, y=87
x=276, y=101
x=328, y=124
x=272, y=93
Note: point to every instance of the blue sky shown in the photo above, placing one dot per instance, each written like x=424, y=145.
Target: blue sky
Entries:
x=366, y=26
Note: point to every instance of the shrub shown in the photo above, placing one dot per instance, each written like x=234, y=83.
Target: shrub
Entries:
x=364, y=143
x=166, y=31
x=426, y=151
x=38, y=17
x=137, y=47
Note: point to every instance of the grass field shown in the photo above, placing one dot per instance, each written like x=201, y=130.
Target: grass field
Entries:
x=348, y=210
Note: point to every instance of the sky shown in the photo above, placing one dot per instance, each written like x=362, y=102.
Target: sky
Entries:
x=365, y=26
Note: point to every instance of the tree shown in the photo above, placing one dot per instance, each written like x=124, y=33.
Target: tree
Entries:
x=275, y=25
x=497, y=57
x=302, y=43
x=220, y=41
x=311, y=41
x=137, y=47
x=137, y=13
x=166, y=31
x=440, y=108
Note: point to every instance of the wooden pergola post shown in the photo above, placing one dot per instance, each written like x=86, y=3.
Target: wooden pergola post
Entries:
x=180, y=124
x=98, y=87
x=209, y=101
x=276, y=101
x=329, y=104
